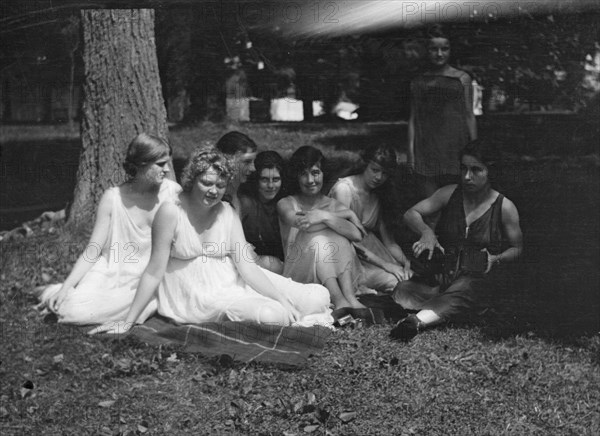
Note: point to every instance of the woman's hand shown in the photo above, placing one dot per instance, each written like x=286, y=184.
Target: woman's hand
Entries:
x=293, y=313
x=305, y=220
x=408, y=273
x=115, y=328
x=53, y=303
x=402, y=273
x=395, y=269
x=427, y=242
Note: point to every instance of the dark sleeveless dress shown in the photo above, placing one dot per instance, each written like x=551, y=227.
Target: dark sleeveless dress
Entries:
x=261, y=226
x=441, y=129
x=464, y=283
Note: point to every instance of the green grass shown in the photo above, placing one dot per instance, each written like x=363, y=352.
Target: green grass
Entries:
x=530, y=366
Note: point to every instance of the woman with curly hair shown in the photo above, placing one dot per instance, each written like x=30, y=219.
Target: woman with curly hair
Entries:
x=202, y=268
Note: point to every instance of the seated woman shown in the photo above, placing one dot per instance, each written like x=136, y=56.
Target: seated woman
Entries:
x=317, y=232
x=242, y=152
x=478, y=230
x=259, y=210
x=102, y=284
x=383, y=260
x=201, y=266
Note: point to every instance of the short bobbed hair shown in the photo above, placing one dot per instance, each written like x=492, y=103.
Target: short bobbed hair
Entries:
x=301, y=160
x=144, y=149
x=235, y=142
x=486, y=154
x=202, y=160
x=268, y=159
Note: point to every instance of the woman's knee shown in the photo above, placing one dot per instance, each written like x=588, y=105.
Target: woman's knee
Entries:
x=272, y=314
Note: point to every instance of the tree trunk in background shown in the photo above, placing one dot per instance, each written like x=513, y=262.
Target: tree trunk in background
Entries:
x=122, y=97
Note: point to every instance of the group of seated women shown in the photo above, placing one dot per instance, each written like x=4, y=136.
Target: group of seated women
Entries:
x=250, y=237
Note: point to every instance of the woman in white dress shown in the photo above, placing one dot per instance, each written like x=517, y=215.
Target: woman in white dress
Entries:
x=203, y=268
x=383, y=260
x=102, y=284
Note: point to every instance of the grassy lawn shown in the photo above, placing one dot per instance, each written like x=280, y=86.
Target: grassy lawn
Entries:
x=529, y=366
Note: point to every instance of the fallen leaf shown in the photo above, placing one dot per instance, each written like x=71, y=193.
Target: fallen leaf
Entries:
x=124, y=364
x=106, y=403
x=311, y=398
x=347, y=416
x=142, y=429
x=46, y=277
x=298, y=406
x=58, y=358
x=311, y=428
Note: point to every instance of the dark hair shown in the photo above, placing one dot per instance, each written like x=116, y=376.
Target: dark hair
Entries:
x=201, y=161
x=437, y=31
x=144, y=149
x=384, y=155
x=264, y=160
x=484, y=153
x=302, y=159
x=235, y=142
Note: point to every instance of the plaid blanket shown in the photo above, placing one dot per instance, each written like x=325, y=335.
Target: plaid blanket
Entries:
x=241, y=341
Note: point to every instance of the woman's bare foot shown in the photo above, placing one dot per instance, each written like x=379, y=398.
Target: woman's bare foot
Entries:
x=357, y=305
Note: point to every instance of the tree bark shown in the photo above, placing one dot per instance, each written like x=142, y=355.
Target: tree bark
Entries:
x=122, y=97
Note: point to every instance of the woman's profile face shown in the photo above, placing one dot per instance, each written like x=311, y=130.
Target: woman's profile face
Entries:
x=438, y=51
x=311, y=180
x=375, y=175
x=474, y=174
x=154, y=173
x=209, y=187
x=269, y=184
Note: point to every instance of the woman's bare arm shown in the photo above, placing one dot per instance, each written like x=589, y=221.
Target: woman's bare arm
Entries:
x=163, y=232
x=92, y=252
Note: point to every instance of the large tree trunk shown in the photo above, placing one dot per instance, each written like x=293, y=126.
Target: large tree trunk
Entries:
x=122, y=97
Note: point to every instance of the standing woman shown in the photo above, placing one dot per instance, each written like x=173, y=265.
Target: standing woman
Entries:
x=478, y=231
x=102, y=284
x=383, y=260
x=199, y=264
x=242, y=151
x=259, y=210
x=441, y=120
x=317, y=232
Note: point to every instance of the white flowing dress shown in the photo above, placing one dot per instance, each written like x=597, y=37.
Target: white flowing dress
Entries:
x=202, y=283
x=107, y=290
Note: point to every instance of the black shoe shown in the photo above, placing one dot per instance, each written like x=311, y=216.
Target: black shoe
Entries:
x=406, y=329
